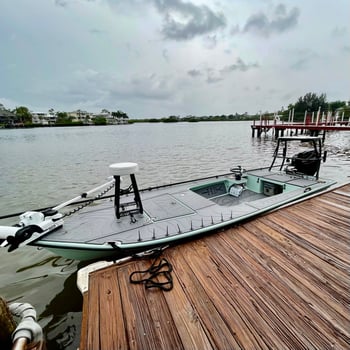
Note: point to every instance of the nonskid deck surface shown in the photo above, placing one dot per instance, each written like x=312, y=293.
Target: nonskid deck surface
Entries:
x=282, y=177
x=168, y=211
x=97, y=223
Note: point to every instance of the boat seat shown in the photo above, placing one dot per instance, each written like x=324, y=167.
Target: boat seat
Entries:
x=123, y=169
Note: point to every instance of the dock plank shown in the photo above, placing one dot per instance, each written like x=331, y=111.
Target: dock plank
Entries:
x=280, y=281
x=272, y=302
x=202, y=276
x=297, y=276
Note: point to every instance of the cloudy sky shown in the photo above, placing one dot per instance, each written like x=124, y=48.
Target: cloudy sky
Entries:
x=155, y=58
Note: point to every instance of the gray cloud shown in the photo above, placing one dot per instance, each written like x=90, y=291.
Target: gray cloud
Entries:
x=339, y=32
x=303, y=59
x=194, y=73
x=95, y=31
x=234, y=29
x=66, y=3
x=280, y=21
x=239, y=66
x=210, y=41
x=165, y=55
x=104, y=90
x=300, y=64
x=104, y=87
x=61, y=3
x=212, y=78
x=214, y=75
x=184, y=20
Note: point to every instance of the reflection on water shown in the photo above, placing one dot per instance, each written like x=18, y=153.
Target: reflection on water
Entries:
x=48, y=283
x=45, y=166
x=54, y=261
x=63, y=316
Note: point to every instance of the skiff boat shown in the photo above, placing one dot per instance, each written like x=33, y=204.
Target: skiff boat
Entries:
x=134, y=220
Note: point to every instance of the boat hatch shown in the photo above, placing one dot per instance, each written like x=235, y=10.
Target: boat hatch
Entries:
x=213, y=189
x=228, y=193
x=165, y=207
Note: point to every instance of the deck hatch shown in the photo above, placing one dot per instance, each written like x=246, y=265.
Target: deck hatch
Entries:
x=165, y=207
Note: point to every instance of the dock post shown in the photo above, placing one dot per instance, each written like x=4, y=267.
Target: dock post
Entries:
x=276, y=133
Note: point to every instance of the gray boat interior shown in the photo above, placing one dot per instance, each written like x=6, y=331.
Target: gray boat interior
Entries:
x=172, y=210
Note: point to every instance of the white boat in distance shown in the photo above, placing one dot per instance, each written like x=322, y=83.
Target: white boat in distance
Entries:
x=133, y=220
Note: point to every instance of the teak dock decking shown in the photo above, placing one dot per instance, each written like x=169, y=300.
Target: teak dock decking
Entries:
x=280, y=281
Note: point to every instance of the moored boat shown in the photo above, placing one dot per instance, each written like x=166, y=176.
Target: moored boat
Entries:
x=133, y=220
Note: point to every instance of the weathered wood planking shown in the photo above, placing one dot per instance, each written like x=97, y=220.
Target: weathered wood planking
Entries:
x=280, y=281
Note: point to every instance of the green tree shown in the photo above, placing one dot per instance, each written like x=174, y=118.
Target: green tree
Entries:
x=63, y=118
x=120, y=114
x=100, y=121
x=336, y=104
x=23, y=114
x=170, y=119
x=310, y=102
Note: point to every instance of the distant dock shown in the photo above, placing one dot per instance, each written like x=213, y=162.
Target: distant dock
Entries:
x=308, y=126
x=280, y=281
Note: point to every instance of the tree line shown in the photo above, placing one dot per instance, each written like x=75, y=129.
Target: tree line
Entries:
x=310, y=102
x=22, y=115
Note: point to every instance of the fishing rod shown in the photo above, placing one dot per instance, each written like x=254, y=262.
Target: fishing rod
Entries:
x=66, y=203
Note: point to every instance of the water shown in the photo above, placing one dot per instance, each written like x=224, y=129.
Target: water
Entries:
x=43, y=167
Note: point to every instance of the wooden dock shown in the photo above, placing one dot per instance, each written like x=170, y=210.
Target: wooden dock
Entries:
x=314, y=129
x=280, y=281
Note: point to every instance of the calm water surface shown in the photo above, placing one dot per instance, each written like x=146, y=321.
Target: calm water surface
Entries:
x=43, y=167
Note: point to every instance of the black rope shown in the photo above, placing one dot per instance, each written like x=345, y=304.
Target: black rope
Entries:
x=158, y=275
x=88, y=202
x=125, y=190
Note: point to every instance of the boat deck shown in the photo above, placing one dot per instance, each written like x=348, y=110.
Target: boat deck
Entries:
x=280, y=281
x=172, y=209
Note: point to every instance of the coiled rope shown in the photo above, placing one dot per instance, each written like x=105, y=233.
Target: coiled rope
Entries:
x=158, y=275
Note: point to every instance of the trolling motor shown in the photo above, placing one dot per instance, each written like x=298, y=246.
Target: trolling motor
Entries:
x=31, y=222
x=22, y=235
